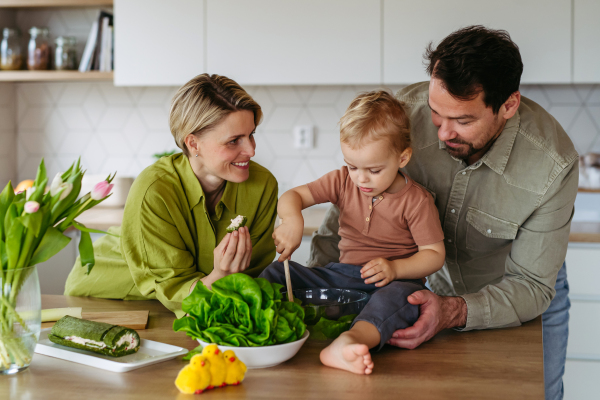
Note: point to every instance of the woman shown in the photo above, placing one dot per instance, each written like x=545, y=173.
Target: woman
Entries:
x=178, y=209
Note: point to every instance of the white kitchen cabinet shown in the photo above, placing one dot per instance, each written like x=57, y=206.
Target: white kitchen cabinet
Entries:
x=581, y=380
x=295, y=41
x=583, y=351
x=586, y=41
x=158, y=42
x=541, y=29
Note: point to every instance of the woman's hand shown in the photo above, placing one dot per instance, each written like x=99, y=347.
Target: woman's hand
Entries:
x=232, y=255
x=288, y=237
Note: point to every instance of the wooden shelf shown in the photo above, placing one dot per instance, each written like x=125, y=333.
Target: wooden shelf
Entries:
x=582, y=190
x=54, y=3
x=54, y=76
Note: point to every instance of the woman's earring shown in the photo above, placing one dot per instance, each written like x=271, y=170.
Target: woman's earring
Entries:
x=196, y=154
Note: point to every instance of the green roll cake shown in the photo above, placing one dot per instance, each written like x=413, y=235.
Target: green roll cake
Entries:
x=99, y=337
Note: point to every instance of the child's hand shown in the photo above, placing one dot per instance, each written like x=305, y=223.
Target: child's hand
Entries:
x=288, y=237
x=378, y=270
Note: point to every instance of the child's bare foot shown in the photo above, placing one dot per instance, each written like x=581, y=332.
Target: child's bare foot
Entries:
x=346, y=353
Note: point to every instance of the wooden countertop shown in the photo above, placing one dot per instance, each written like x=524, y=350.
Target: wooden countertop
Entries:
x=495, y=364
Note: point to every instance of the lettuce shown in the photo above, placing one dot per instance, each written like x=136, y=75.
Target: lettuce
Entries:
x=241, y=311
x=329, y=329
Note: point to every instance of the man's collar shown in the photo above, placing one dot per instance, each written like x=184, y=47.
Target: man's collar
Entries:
x=193, y=189
x=497, y=156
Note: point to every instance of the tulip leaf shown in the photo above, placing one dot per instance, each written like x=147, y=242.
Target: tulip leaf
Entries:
x=9, y=217
x=86, y=251
x=14, y=238
x=6, y=198
x=52, y=242
x=3, y=256
x=41, y=179
x=33, y=222
x=83, y=228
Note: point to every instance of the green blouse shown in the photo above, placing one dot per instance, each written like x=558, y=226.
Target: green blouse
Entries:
x=168, y=236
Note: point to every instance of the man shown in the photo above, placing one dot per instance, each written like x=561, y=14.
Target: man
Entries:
x=504, y=175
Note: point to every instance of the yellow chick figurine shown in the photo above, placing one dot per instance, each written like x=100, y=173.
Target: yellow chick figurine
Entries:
x=195, y=377
x=218, y=367
x=236, y=369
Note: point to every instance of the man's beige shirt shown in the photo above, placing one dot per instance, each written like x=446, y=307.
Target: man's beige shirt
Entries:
x=506, y=218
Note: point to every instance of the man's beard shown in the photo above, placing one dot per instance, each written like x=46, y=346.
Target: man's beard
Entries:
x=471, y=150
x=463, y=153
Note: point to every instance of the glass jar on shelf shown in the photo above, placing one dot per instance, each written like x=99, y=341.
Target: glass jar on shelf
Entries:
x=10, y=50
x=38, y=50
x=65, y=54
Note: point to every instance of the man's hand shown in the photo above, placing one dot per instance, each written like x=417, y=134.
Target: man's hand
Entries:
x=436, y=313
x=288, y=237
x=378, y=270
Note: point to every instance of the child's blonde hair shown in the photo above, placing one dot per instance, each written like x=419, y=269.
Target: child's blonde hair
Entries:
x=376, y=115
x=203, y=102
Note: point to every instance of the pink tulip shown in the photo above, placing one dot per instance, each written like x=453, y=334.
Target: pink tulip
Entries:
x=101, y=190
x=31, y=207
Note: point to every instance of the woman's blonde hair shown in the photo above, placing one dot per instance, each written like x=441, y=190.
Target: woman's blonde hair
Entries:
x=203, y=102
x=376, y=115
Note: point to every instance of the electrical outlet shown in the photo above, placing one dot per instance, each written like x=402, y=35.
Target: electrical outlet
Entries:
x=304, y=136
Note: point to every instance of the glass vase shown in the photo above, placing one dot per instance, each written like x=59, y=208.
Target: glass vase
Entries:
x=20, y=318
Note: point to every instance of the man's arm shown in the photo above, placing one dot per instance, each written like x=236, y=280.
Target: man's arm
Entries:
x=532, y=265
x=528, y=285
x=324, y=245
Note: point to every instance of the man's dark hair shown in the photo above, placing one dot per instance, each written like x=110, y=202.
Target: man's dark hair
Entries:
x=475, y=59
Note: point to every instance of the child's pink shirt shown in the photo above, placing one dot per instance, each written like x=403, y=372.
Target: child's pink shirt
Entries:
x=391, y=227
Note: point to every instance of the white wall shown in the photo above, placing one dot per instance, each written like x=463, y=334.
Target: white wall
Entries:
x=120, y=128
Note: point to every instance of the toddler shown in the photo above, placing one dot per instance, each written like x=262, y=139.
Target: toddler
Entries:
x=391, y=236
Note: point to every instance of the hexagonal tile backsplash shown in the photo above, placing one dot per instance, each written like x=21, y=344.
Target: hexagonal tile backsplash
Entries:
x=116, y=128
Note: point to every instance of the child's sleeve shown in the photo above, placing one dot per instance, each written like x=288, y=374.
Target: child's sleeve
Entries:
x=329, y=187
x=424, y=222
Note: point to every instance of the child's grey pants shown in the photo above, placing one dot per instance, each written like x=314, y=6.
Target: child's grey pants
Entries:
x=387, y=308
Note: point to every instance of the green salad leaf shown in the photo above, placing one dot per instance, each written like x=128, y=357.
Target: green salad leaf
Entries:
x=328, y=329
x=241, y=311
x=192, y=353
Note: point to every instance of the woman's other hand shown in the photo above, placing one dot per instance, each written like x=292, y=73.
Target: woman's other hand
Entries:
x=288, y=237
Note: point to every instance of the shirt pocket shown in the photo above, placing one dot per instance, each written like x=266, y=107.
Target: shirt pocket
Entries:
x=488, y=233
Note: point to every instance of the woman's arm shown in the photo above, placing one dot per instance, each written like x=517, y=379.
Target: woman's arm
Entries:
x=288, y=235
x=157, y=252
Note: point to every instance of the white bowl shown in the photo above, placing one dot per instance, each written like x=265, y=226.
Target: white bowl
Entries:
x=265, y=356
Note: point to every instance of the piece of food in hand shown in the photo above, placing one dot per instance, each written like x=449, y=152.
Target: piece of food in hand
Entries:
x=237, y=223
x=236, y=369
x=218, y=367
x=195, y=377
x=99, y=337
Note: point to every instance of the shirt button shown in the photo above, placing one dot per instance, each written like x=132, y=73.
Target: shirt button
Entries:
x=453, y=211
x=368, y=219
x=464, y=173
x=449, y=240
x=489, y=231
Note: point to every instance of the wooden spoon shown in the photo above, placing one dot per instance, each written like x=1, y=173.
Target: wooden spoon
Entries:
x=288, y=280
